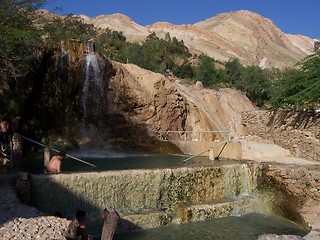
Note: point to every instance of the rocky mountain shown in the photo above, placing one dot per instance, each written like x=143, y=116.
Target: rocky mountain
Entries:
x=248, y=36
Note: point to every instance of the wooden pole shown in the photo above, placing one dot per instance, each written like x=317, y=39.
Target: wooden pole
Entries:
x=75, y=158
x=46, y=157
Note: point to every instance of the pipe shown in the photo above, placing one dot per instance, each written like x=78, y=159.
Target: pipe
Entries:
x=194, y=156
x=224, y=142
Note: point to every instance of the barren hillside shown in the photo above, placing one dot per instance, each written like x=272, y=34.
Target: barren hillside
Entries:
x=121, y=23
x=252, y=38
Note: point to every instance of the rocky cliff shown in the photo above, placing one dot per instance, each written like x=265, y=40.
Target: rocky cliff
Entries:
x=110, y=102
x=252, y=38
x=151, y=103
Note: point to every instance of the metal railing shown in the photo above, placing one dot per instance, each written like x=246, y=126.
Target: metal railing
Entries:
x=201, y=136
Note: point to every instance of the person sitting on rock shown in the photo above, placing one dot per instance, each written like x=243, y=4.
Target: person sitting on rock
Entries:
x=77, y=229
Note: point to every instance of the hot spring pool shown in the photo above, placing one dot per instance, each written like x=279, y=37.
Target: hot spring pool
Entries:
x=246, y=227
x=108, y=160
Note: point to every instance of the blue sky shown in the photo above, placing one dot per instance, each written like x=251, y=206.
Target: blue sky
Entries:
x=291, y=16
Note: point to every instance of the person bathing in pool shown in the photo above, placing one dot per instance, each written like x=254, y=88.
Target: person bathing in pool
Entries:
x=54, y=165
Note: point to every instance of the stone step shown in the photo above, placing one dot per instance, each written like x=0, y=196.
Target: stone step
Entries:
x=10, y=205
x=181, y=213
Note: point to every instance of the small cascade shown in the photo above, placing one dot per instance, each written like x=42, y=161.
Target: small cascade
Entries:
x=63, y=65
x=247, y=182
x=238, y=181
x=92, y=86
x=80, y=89
x=90, y=46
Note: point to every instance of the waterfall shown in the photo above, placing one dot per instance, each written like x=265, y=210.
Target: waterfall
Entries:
x=93, y=97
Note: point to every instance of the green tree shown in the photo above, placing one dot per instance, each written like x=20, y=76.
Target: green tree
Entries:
x=158, y=54
x=21, y=45
x=57, y=29
x=233, y=70
x=133, y=54
x=205, y=71
x=299, y=89
x=19, y=38
x=113, y=45
x=255, y=82
x=154, y=51
x=185, y=70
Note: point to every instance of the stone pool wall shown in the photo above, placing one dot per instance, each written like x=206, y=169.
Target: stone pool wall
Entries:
x=141, y=192
x=297, y=131
x=301, y=187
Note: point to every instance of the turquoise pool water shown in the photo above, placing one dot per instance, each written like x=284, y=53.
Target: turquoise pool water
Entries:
x=246, y=227
x=108, y=160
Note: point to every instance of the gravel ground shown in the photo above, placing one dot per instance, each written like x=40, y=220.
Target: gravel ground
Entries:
x=44, y=227
x=20, y=221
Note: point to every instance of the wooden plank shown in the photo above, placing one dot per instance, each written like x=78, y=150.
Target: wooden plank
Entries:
x=110, y=224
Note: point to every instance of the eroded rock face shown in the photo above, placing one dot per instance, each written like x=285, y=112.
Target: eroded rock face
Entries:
x=145, y=103
x=299, y=184
x=302, y=194
x=149, y=103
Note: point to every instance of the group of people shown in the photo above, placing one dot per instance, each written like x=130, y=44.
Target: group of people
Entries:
x=76, y=229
